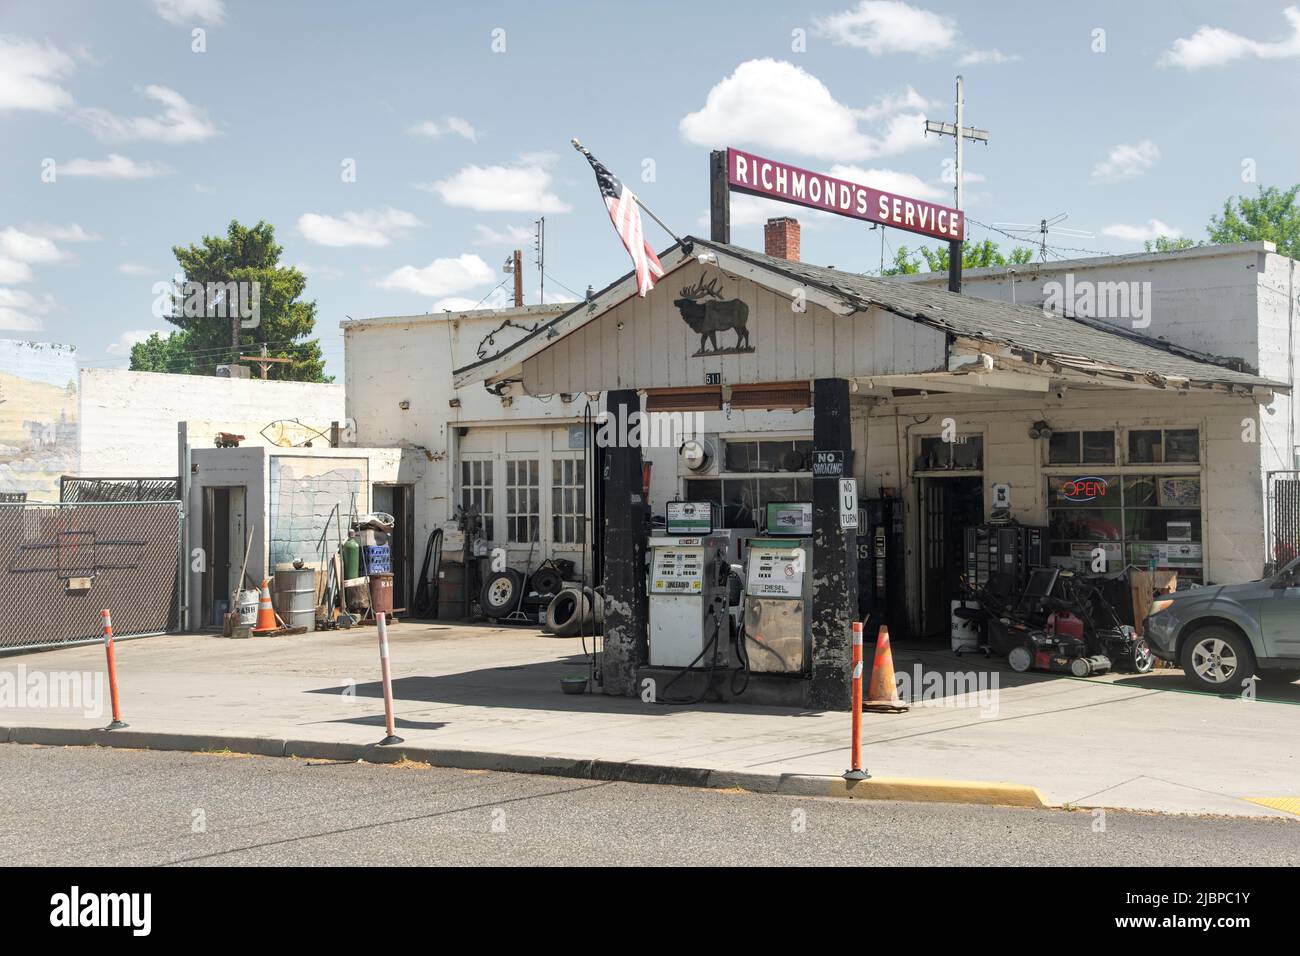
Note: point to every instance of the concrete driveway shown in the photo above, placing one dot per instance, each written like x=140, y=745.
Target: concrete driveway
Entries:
x=1125, y=741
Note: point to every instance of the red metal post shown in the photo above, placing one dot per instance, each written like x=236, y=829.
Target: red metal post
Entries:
x=389, y=721
x=117, y=723
x=855, y=772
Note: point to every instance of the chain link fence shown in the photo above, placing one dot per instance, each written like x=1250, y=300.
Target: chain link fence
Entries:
x=73, y=489
x=60, y=564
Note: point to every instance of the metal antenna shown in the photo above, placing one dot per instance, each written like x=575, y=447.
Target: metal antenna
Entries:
x=1043, y=228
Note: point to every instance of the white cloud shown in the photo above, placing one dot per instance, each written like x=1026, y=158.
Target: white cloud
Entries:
x=185, y=12
x=441, y=277
x=891, y=181
x=179, y=122
x=17, y=308
x=1213, y=46
x=888, y=26
x=523, y=186
x=509, y=236
x=114, y=167
x=370, y=227
x=980, y=57
x=453, y=124
x=12, y=320
x=1153, y=229
x=72, y=232
x=318, y=271
x=889, y=104
x=773, y=103
x=135, y=269
x=11, y=270
x=123, y=343
x=27, y=247
x=30, y=73
x=1127, y=160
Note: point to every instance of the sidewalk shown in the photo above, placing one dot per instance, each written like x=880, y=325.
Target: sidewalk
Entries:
x=478, y=696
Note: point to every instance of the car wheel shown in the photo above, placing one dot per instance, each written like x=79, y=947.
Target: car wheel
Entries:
x=1143, y=660
x=1280, y=676
x=1218, y=659
x=500, y=594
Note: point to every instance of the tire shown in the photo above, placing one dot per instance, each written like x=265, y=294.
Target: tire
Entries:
x=1020, y=659
x=1280, y=676
x=1144, y=661
x=547, y=581
x=500, y=593
x=1217, y=659
x=566, y=611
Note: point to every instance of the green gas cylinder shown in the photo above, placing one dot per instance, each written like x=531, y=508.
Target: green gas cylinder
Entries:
x=351, y=557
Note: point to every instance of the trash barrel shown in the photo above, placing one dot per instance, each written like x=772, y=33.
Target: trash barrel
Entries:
x=381, y=593
x=295, y=593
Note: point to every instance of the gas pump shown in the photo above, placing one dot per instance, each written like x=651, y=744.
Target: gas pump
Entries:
x=687, y=587
x=778, y=595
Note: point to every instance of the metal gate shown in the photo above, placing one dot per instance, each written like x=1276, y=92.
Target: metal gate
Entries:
x=1283, y=517
x=60, y=564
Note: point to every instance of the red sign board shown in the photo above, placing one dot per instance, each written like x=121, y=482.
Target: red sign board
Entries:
x=747, y=173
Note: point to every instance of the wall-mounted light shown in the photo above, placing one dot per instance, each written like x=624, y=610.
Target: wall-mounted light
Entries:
x=1040, y=429
x=453, y=403
x=404, y=405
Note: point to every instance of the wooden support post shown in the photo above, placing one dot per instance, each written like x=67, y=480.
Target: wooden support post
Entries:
x=835, y=554
x=625, y=646
x=719, y=197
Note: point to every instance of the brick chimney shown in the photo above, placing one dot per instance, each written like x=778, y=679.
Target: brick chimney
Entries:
x=781, y=238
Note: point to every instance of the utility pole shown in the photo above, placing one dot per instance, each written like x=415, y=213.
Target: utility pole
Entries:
x=959, y=133
x=539, y=246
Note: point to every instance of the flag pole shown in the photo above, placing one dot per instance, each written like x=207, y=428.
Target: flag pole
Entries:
x=686, y=246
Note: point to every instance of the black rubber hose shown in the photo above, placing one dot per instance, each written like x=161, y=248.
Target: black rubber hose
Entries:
x=426, y=597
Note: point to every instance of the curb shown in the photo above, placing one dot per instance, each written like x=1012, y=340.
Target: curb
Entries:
x=917, y=789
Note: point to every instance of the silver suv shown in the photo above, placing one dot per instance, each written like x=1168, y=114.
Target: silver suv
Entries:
x=1225, y=634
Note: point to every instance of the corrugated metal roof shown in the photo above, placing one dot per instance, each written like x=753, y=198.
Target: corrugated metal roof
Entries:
x=1077, y=343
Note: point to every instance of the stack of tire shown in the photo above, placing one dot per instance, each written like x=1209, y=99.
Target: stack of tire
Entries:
x=571, y=610
x=575, y=611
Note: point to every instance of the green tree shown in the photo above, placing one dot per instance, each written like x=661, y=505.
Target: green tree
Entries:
x=978, y=255
x=1166, y=244
x=284, y=321
x=158, y=354
x=1272, y=215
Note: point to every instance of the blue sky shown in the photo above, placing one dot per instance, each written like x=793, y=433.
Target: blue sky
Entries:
x=459, y=145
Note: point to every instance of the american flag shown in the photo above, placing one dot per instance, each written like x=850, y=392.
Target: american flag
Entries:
x=626, y=216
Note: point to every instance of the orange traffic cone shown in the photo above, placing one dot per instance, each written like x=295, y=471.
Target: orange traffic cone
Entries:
x=265, y=613
x=883, y=694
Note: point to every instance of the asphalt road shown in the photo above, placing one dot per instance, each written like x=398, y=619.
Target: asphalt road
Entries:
x=89, y=806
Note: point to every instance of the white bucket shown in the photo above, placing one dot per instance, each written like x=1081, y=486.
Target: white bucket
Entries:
x=247, y=606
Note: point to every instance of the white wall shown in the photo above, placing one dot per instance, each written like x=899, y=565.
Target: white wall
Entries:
x=249, y=468
x=1232, y=496
x=390, y=360
x=129, y=419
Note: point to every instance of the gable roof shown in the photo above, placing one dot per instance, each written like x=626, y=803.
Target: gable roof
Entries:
x=1070, y=342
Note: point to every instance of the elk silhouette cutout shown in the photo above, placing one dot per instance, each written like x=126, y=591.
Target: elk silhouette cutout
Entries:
x=707, y=313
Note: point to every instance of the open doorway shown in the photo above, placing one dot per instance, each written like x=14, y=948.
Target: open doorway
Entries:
x=397, y=500
x=948, y=505
x=225, y=540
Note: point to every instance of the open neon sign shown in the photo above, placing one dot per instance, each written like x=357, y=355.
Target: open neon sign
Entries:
x=1085, y=489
